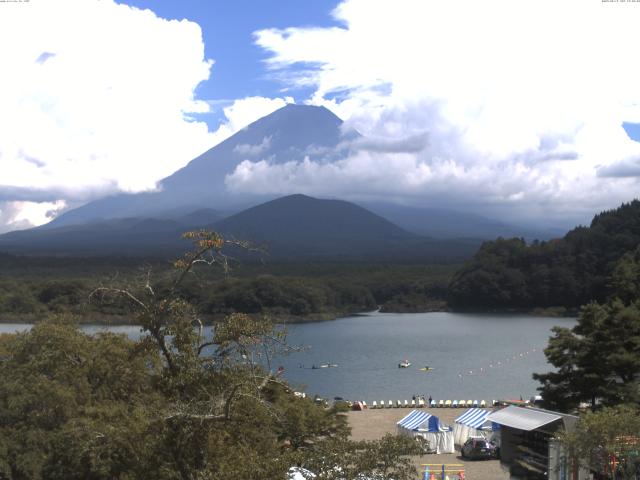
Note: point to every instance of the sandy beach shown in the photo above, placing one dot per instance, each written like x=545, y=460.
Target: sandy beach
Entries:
x=371, y=424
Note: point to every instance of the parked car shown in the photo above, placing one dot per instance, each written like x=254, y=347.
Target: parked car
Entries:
x=479, y=449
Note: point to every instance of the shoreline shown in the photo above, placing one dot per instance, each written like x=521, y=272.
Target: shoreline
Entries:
x=118, y=320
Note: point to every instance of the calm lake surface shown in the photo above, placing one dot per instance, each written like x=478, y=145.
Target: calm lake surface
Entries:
x=473, y=356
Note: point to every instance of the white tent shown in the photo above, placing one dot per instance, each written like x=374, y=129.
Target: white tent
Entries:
x=473, y=423
x=422, y=424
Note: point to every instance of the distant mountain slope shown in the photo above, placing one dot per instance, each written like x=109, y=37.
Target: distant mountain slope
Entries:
x=443, y=223
x=116, y=237
x=568, y=272
x=290, y=133
x=295, y=227
x=298, y=226
x=200, y=217
x=302, y=218
x=122, y=236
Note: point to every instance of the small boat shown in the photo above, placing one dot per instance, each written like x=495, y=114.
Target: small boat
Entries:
x=324, y=365
x=426, y=369
x=404, y=364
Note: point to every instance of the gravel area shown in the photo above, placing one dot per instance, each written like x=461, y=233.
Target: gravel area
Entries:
x=372, y=424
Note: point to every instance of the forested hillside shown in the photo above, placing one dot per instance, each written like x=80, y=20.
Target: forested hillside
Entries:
x=33, y=287
x=568, y=272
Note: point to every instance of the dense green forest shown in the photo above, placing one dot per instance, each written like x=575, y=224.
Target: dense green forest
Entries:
x=504, y=274
x=33, y=287
x=179, y=403
x=568, y=272
x=596, y=363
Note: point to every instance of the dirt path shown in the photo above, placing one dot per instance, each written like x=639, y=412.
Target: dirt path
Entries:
x=373, y=424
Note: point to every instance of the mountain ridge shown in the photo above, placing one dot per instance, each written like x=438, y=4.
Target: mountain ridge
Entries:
x=281, y=136
x=287, y=134
x=295, y=227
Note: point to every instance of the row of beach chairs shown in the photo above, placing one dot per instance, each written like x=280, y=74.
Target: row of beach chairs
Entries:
x=420, y=403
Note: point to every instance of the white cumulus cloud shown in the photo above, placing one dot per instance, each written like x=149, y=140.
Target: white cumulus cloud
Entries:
x=98, y=97
x=17, y=215
x=95, y=97
x=522, y=102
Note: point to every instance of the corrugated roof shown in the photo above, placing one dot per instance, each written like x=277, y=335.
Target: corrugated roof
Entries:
x=523, y=418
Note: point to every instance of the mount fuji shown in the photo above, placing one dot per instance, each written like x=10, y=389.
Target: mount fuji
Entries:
x=294, y=226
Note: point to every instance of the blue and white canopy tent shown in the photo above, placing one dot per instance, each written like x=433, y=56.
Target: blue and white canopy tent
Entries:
x=473, y=423
x=422, y=424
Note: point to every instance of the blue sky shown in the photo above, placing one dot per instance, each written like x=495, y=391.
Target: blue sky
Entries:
x=520, y=126
x=228, y=32
x=227, y=29
x=633, y=130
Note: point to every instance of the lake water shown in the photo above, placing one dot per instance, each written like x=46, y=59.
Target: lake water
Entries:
x=473, y=356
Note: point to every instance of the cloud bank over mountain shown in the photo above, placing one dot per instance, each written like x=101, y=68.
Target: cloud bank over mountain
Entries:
x=99, y=97
x=523, y=103
x=495, y=107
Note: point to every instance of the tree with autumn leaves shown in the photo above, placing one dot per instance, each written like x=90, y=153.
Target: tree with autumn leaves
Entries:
x=183, y=402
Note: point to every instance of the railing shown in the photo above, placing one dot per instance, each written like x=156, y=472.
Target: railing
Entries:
x=443, y=471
